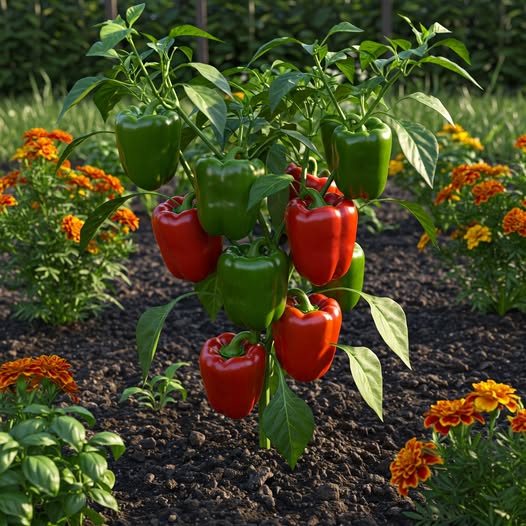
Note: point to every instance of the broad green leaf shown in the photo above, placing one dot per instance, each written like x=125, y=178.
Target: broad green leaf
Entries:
x=112, y=33
x=8, y=453
x=421, y=216
x=265, y=48
x=111, y=440
x=27, y=427
x=452, y=66
x=99, y=215
x=347, y=67
x=92, y=465
x=10, y=478
x=213, y=75
x=366, y=371
x=288, y=422
x=369, y=51
x=104, y=498
x=188, y=30
x=16, y=504
x=73, y=144
x=210, y=103
x=419, y=146
x=456, y=46
x=42, y=473
x=96, y=518
x=209, y=295
x=282, y=85
x=69, y=429
x=342, y=27
x=73, y=503
x=82, y=412
x=390, y=321
x=107, y=96
x=267, y=185
x=38, y=439
x=432, y=102
x=302, y=139
x=133, y=13
x=80, y=89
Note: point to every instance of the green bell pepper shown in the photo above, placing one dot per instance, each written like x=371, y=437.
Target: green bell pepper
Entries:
x=148, y=145
x=222, y=191
x=362, y=158
x=352, y=279
x=253, y=280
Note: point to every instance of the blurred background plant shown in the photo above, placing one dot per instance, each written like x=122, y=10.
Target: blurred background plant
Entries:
x=51, y=472
x=472, y=471
x=479, y=210
x=42, y=211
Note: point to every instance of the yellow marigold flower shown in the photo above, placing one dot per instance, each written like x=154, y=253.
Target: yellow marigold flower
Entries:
x=518, y=422
x=423, y=242
x=448, y=193
x=485, y=190
x=7, y=200
x=34, y=133
x=515, y=221
x=92, y=247
x=72, y=226
x=489, y=395
x=451, y=128
x=521, y=143
x=396, y=166
x=476, y=235
x=474, y=143
x=446, y=414
x=60, y=135
x=22, y=153
x=411, y=464
x=127, y=218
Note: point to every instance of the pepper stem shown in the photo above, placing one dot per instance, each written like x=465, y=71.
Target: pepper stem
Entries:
x=235, y=347
x=254, y=250
x=302, y=300
x=317, y=198
x=186, y=204
x=264, y=399
x=328, y=183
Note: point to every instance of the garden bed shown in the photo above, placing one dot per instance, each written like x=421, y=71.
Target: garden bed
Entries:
x=190, y=466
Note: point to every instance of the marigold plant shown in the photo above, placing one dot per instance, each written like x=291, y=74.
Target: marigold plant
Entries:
x=473, y=470
x=42, y=211
x=479, y=210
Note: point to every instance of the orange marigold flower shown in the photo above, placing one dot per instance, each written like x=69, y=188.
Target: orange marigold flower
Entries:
x=92, y=171
x=485, y=190
x=35, y=205
x=10, y=179
x=476, y=235
x=60, y=135
x=81, y=181
x=521, y=143
x=127, y=218
x=57, y=370
x=450, y=413
x=489, y=395
x=411, y=464
x=448, y=193
x=462, y=175
x=34, y=133
x=515, y=221
x=423, y=242
x=10, y=371
x=518, y=422
x=72, y=226
x=92, y=247
x=7, y=200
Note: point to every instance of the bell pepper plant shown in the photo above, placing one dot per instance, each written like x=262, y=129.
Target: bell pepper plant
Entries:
x=187, y=250
x=286, y=231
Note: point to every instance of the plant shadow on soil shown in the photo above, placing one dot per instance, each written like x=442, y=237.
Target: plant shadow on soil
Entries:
x=189, y=465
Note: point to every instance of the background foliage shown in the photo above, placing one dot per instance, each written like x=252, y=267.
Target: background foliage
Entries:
x=53, y=35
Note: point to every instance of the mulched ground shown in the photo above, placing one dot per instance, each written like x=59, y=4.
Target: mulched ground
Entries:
x=190, y=466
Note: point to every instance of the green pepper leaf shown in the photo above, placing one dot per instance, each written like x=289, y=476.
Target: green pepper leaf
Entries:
x=80, y=89
x=366, y=371
x=271, y=44
x=419, y=145
x=209, y=295
x=107, y=96
x=390, y=321
x=266, y=186
x=431, y=102
x=288, y=422
x=211, y=104
x=213, y=75
x=452, y=66
x=282, y=85
x=133, y=13
x=456, y=46
x=188, y=30
x=342, y=27
x=302, y=139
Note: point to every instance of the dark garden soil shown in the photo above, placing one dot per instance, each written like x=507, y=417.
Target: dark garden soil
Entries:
x=189, y=465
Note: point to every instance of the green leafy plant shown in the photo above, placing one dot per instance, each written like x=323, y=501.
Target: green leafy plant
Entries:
x=472, y=471
x=51, y=471
x=480, y=212
x=42, y=210
x=250, y=123
x=156, y=393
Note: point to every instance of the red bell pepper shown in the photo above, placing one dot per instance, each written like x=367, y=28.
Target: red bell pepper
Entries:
x=311, y=181
x=304, y=334
x=321, y=239
x=233, y=371
x=187, y=250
